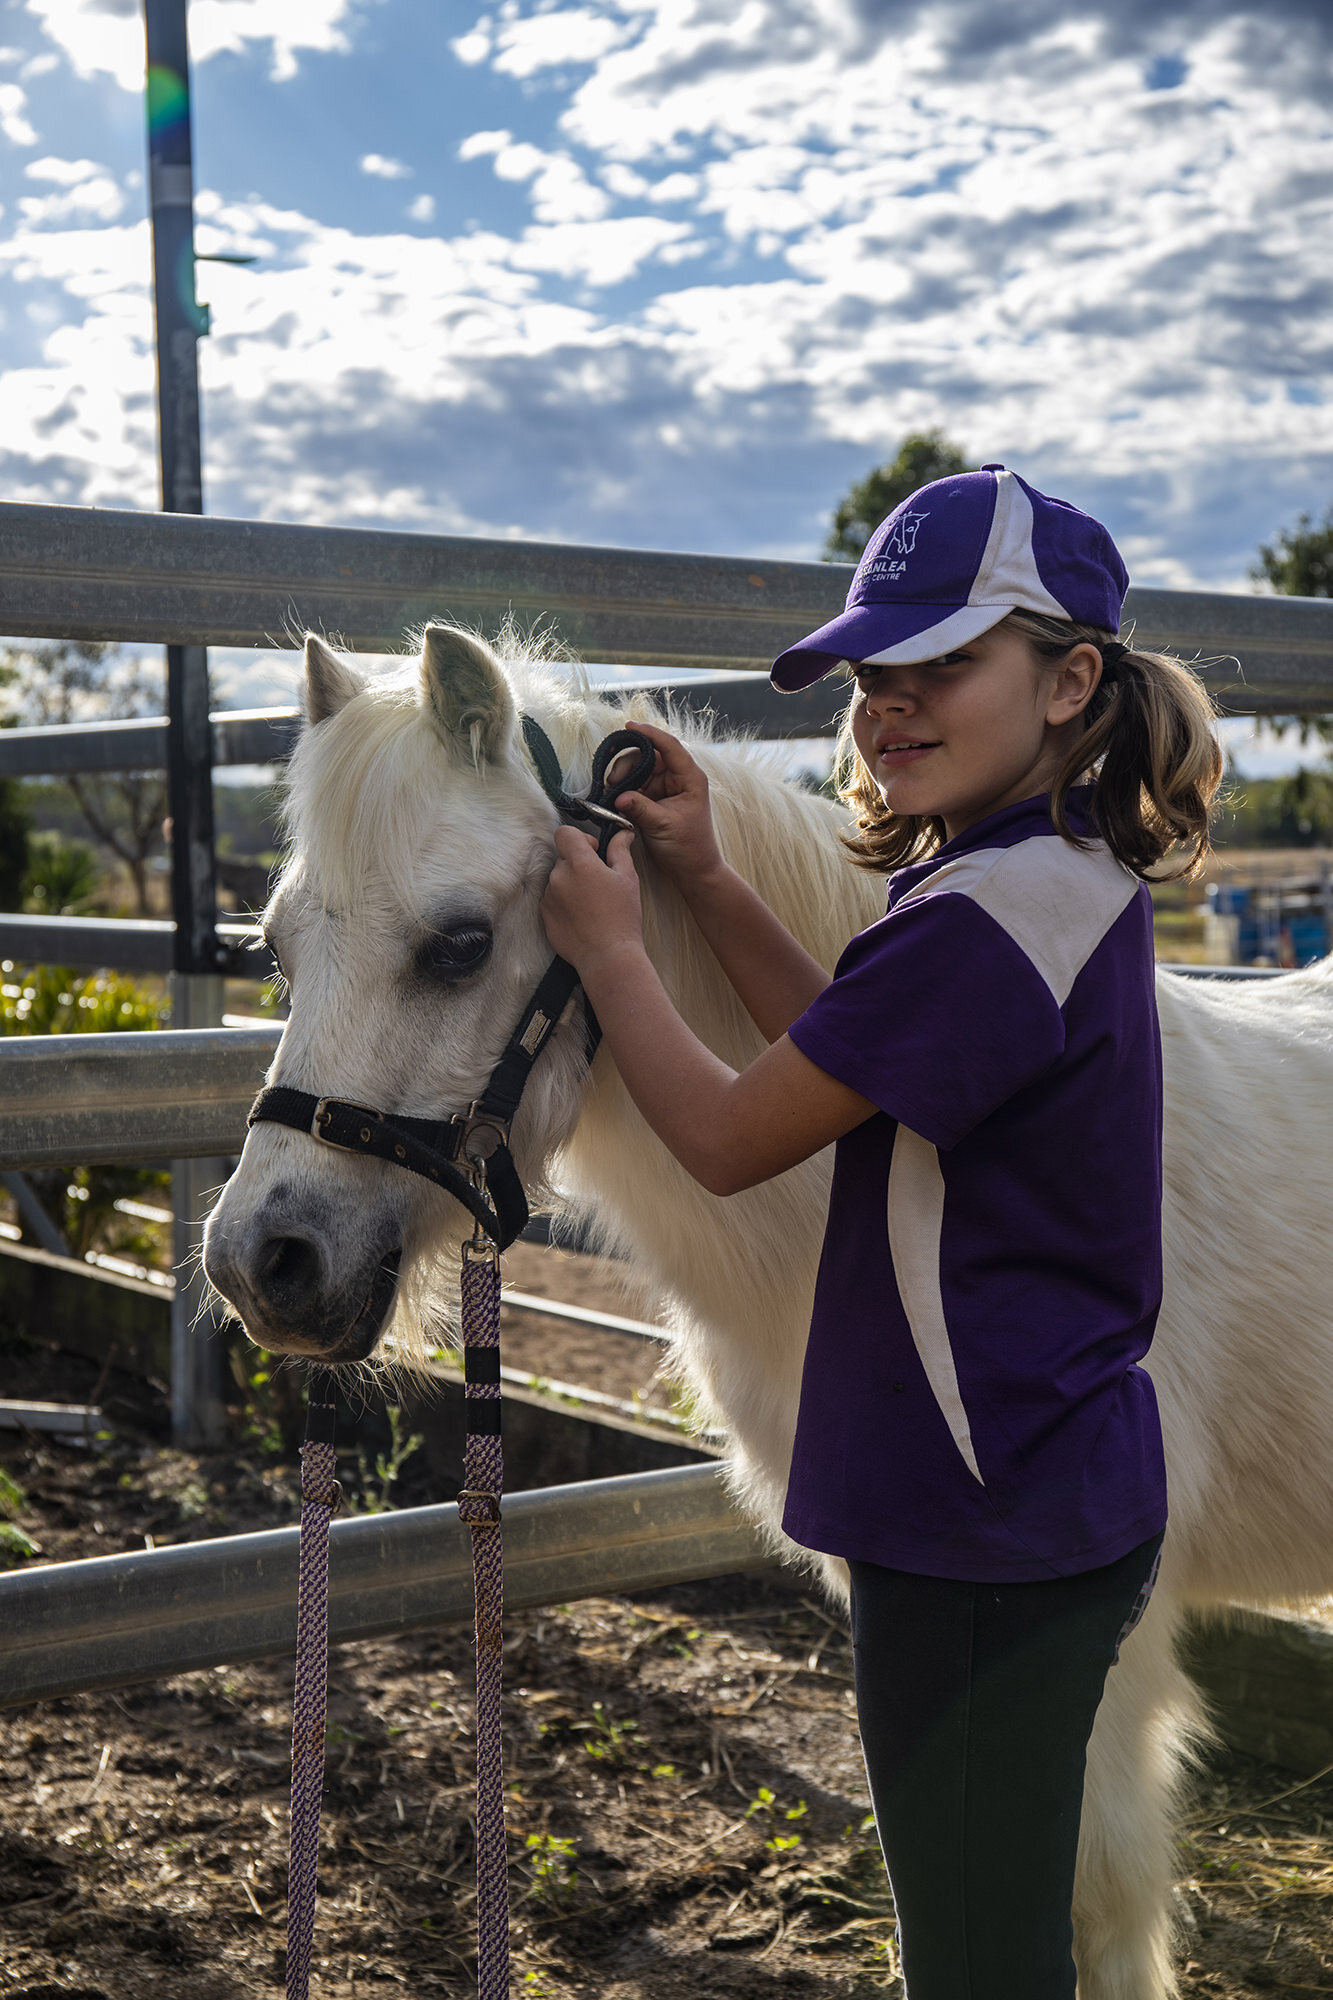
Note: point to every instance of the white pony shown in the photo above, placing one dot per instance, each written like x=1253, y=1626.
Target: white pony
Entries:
x=406, y=921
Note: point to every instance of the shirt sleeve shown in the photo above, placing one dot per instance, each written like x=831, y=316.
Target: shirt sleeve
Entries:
x=936, y=1015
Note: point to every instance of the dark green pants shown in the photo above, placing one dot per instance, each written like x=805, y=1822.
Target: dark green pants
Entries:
x=976, y=1702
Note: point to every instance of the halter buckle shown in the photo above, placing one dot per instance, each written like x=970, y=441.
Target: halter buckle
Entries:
x=478, y=1134
x=325, y=1112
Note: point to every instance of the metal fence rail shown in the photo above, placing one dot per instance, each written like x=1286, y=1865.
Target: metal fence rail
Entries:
x=182, y=1093
x=83, y=573
x=136, y=944
x=740, y=700
x=75, y=1626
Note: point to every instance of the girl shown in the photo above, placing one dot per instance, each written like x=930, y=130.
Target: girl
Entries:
x=976, y=1436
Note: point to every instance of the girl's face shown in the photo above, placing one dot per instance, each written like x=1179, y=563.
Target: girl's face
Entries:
x=959, y=737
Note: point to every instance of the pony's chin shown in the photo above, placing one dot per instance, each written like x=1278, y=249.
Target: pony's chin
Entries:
x=316, y=1341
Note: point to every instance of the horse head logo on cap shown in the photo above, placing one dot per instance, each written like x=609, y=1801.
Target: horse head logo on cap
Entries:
x=901, y=538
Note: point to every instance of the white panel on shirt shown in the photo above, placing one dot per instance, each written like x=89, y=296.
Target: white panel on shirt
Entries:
x=1056, y=901
x=916, y=1221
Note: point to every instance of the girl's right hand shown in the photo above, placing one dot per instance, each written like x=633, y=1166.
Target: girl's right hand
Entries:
x=672, y=814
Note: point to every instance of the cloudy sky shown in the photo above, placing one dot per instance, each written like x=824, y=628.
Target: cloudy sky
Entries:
x=672, y=273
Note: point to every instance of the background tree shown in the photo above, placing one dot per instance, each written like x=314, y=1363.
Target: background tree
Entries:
x=1299, y=563
x=922, y=456
x=73, y=681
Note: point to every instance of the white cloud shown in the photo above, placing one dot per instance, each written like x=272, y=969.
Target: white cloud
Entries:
x=382, y=169
x=105, y=37
x=478, y=144
x=422, y=209
x=476, y=45
x=65, y=173
x=573, y=35
x=561, y=191
x=675, y=187
x=96, y=198
x=13, y=120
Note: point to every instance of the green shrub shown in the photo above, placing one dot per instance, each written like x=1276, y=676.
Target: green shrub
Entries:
x=57, y=1000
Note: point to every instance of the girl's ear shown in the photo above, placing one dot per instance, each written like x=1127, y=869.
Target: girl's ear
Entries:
x=1076, y=679
x=330, y=682
x=465, y=690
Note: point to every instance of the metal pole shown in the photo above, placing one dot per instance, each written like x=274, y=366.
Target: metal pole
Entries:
x=180, y=319
x=198, y=1350
x=196, y=987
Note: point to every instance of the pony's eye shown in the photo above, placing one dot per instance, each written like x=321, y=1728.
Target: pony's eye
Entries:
x=450, y=954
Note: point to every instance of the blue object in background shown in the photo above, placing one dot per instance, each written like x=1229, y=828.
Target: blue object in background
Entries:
x=1278, y=923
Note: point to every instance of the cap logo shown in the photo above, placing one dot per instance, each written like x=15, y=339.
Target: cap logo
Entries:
x=901, y=538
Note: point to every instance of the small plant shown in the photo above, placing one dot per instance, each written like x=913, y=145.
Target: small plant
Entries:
x=608, y=1740
x=15, y=1546
x=388, y=1465
x=775, y=1814
x=554, y=1866
x=12, y=1497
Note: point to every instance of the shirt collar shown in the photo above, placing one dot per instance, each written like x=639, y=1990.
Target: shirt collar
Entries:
x=1005, y=828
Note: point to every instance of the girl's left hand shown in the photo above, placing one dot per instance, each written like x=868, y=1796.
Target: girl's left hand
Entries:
x=591, y=907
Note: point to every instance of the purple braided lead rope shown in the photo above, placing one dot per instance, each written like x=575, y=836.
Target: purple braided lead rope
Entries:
x=479, y=1507
x=319, y=1501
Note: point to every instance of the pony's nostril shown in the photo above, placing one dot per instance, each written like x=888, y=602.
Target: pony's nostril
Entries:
x=287, y=1268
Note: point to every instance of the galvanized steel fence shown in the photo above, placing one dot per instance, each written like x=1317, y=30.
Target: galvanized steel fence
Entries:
x=182, y=1094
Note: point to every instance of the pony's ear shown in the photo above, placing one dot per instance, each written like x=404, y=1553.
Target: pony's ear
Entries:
x=466, y=691
x=329, y=682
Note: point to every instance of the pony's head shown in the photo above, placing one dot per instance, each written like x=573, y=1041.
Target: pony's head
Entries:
x=405, y=923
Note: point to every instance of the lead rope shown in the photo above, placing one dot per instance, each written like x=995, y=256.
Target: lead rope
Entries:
x=479, y=1509
x=319, y=1500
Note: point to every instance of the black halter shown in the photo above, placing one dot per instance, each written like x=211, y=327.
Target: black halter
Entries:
x=468, y=1154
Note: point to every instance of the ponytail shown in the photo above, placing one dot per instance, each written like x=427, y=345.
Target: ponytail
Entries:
x=1148, y=740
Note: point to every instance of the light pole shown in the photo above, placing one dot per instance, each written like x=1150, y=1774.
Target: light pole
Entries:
x=196, y=985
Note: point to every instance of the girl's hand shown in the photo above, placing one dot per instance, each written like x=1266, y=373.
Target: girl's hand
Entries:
x=591, y=907
x=672, y=812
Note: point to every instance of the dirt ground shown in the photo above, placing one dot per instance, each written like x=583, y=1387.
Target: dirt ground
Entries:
x=687, y=1811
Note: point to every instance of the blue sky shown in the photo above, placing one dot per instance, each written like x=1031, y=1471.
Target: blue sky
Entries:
x=671, y=273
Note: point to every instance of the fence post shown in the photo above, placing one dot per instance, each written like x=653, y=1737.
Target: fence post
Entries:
x=196, y=988
x=198, y=1351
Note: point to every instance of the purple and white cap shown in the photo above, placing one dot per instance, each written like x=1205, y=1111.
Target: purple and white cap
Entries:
x=951, y=561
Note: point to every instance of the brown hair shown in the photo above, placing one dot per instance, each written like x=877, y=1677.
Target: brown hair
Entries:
x=1148, y=739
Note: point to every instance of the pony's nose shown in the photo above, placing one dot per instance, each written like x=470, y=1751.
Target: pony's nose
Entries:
x=287, y=1273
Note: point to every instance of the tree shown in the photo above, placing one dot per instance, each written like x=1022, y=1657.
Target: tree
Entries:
x=922, y=456
x=74, y=681
x=1300, y=561
x=62, y=877
x=1300, y=564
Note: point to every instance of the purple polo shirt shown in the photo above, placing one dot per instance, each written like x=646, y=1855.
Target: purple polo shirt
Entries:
x=972, y=1404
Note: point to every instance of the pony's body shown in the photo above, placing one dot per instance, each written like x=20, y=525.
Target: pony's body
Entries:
x=403, y=808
